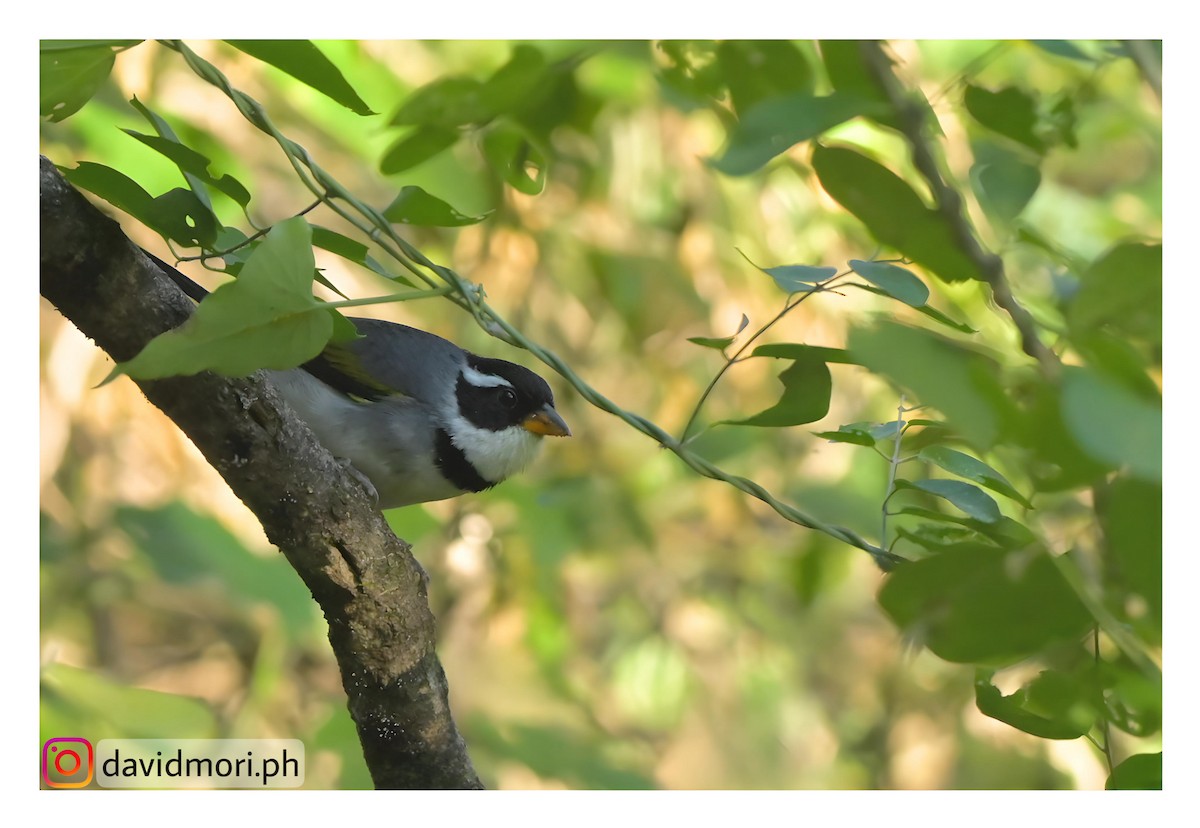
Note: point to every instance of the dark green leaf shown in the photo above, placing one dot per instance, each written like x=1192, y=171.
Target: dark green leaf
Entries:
x=1112, y=424
x=1140, y=772
x=960, y=383
x=759, y=69
x=925, y=310
x=722, y=342
x=858, y=434
x=415, y=206
x=510, y=87
x=1063, y=48
x=1131, y=513
x=1004, y=184
x=894, y=280
x=807, y=386
x=70, y=72
x=984, y=605
x=307, y=64
x=970, y=499
x=966, y=466
x=793, y=350
x=849, y=75
x=417, y=147
x=1054, y=705
x=1122, y=289
x=1006, y=532
x=195, y=168
x=777, y=124
x=515, y=158
x=1011, y=112
x=177, y=214
x=447, y=102
x=892, y=212
x=266, y=318
x=354, y=251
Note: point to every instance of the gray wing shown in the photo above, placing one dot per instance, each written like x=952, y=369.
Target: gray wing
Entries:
x=388, y=359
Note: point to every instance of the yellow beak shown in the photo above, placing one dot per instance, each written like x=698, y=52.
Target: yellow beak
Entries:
x=546, y=422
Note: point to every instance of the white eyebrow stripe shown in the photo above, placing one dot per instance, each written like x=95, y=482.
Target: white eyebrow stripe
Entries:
x=480, y=380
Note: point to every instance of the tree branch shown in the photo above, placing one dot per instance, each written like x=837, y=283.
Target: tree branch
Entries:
x=364, y=578
x=911, y=115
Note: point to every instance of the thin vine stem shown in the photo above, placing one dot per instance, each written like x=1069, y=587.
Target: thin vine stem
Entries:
x=893, y=465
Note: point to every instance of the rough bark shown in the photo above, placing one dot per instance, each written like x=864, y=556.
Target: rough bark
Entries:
x=365, y=579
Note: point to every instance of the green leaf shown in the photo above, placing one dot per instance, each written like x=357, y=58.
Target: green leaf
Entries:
x=266, y=318
x=447, y=102
x=415, y=206
x=807, y=386
x=896, y=281
x=795, y=278
x=960, y=383
x=777, y=124
x=511, y=86
x=354, y=251
x=849, y=75
x=1140, y=772
x=516, y=158
x=177, y=214
x=966, y=466
x=307, y=64
x=722, y=342
x=925, y=310
x=793, y=350
x=1010, y=111
x=892, y=212
x=978, y=604
x=856, y=433
x=1055, y=705
x=70, y=73
x=1005, y=184
x=417, y=147
x=1112, y=424
x=198, y=179
x=755, y=70
x=1131, y=513
x=965, y=496
x=1121, y=290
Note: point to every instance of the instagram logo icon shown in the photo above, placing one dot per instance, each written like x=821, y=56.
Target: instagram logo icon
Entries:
x=67, y=762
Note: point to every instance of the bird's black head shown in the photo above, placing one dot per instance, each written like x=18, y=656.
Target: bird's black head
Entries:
x=493, y=394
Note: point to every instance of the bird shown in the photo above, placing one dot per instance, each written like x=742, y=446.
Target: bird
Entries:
x=418, y=417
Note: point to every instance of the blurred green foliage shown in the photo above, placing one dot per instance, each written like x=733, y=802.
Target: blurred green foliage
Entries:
x=610, y=620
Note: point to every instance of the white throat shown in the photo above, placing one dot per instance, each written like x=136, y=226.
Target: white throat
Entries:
x=496, y=455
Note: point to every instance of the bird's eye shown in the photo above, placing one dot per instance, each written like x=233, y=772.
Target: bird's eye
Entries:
x=507, y=397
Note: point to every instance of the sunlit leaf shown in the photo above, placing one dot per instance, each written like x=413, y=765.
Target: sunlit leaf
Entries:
x=446, y=102
x=266, y=318
x=415, y=206
x=722, y=342
x=925, y=310
x=307, y=64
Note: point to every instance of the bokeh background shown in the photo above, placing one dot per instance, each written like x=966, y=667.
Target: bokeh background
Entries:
x=608, y=619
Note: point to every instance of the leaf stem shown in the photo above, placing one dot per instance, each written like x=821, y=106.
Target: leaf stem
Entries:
x=893, y=465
